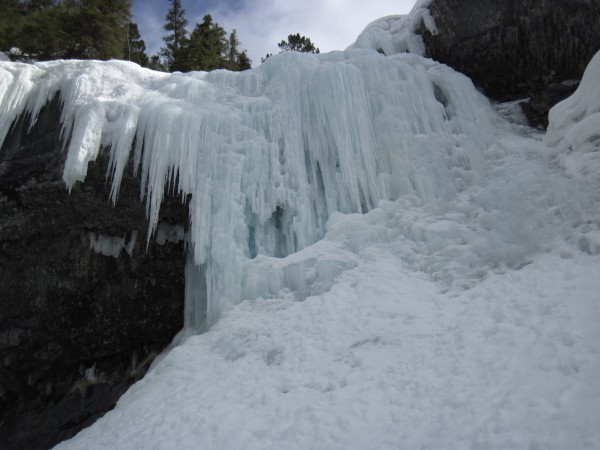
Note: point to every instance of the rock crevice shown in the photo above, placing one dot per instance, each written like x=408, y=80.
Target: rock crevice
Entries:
x=515, y=49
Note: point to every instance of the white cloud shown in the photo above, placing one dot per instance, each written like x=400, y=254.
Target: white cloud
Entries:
x=261, y=24
x=330, y=24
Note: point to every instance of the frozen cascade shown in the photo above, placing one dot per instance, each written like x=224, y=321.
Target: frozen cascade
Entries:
x=267, y=155
x=376, y=189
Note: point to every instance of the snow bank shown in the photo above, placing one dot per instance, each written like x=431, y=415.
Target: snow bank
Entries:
x=574, y=123
x=381, y=359
x=398, y=34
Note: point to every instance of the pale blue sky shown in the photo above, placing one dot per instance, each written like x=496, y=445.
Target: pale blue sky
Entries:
x=261, y=24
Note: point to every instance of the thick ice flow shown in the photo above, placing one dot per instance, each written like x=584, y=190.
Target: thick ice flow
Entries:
x=266, y=155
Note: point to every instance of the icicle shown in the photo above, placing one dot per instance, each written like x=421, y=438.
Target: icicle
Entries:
x=267, y=155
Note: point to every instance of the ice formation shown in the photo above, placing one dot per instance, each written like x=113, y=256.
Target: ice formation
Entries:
x=166, y=232
x=267, y=155
x=112, y=245
x=417, y=270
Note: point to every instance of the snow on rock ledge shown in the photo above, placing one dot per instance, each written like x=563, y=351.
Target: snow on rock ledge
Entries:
x=112, y=245
x=398, y=34
x=574, y=124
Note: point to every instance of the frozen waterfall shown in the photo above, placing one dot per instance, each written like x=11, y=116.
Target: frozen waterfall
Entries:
x=410, y=269
x=269, y=154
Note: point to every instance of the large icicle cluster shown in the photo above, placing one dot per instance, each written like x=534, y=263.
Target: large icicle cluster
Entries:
x=267, y=155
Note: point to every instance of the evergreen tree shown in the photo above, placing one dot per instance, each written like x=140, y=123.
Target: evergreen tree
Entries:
x=12, y=11
x=297, y=43
x=96, y=29
x=208, y=46
x=36, y=31
x=136, y=47
x=175, y=51
x=233, y=54
x=51, y=29
x=237, y=60
x=156, y=64
x=243, y=61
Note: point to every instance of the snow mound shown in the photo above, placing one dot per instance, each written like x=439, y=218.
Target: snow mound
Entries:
x=574, y=123
x=398, y=34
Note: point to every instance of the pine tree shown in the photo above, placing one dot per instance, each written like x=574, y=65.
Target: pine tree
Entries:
x=233, y=53
x=96, y=29
x=238, y=60
x=297, y=43
x=156, y=64
x=208, y=45
x=136, y=47
x=175, y=51
x=51, y=29
x=244, y=62
x=35, y=29
x=9, y=23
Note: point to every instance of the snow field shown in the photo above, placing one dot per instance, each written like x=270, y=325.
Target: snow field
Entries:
x=382, y=360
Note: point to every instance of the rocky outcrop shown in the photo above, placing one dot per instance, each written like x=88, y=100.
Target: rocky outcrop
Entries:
x=514, y=49
x=77, y=326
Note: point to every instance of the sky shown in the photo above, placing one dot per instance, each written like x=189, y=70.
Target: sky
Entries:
x=261, y=24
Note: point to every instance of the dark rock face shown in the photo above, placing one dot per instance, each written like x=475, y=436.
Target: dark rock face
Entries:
x=517, y=48
x=77, y=328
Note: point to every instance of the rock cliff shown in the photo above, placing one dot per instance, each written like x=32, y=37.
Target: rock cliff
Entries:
x=85, y=306
x=515, y=49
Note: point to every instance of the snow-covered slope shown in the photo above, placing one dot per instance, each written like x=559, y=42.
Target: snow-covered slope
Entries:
x=393, y=263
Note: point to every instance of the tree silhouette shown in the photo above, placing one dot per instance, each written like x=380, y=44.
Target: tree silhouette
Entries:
x=297, y=43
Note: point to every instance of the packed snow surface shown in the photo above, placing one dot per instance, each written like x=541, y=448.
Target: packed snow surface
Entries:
x=380, y=259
